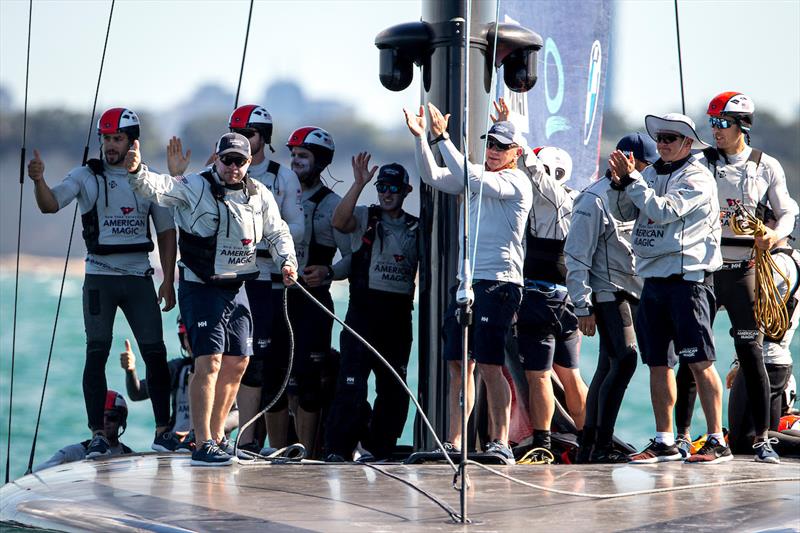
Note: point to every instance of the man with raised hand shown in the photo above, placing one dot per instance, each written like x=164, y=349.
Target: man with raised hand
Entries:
x=116, y=231
x=505, y=200
x=383, y=267
x=222, y=215
x=676, y=241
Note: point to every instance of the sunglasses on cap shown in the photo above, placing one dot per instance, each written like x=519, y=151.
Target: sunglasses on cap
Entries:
x=229, y=160
x=385, y=187
x=492, y=144
x=667, y=138
x=247, y=132
x=720, y=123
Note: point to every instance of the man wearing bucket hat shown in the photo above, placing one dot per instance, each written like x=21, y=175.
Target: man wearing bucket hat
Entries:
x=385, y=241
x=222, y=214
x=676, y=241
x=605, y=290
x=506, y=198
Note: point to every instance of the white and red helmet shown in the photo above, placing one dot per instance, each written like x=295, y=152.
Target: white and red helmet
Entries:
x=557, y=162
x=318, y=141
x=119, y=120
x=115, y=402
x=735, y=105
x=252, y=116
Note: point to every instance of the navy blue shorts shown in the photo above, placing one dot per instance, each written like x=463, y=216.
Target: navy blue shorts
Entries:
x=679, y=311
x=547, y=328
x=496, y=302
x=217, y=319
x=259, y=295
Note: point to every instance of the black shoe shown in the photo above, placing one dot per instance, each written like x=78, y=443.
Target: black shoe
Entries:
x=334, y=458
x=98, y=447
x=187, y=445
x=656, y=452
x=584, y=454
x=227, y=445
x=209, y=454
x=712, y=452
x=252, y=447
x=608, y=455
x=165, y=442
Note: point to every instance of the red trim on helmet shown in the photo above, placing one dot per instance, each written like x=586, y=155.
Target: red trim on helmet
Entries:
x=298, y=136
x=240, y=118
x=109, y=121
x=718, y=103
x=537, y=150
x=115, y=402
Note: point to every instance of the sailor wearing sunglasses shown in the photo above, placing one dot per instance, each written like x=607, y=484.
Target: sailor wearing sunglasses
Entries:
x=222, y=215
x=676, y=241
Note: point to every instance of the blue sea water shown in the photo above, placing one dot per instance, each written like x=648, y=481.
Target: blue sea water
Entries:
x=63, y=417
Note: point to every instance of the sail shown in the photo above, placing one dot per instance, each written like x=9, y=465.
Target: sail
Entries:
x=565, y=109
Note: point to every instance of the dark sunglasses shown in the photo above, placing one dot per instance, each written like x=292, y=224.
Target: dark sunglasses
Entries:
x=667, y=138
x=384, y=187
x=491, y=144
x=720, y=123
x=229, y=160
x=249, y=133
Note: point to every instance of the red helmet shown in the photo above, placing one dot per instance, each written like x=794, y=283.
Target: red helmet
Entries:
x=735, y=105
x=115, y=402
x=119, y=120
x=318, y=141
x=252, y=116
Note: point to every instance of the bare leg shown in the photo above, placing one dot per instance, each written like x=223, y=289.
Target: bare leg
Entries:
x=230, y=375
x=498, y=397
x=575, y=391
x=201, y=394
x=540, y=398
x=454, y=433
x=248, y=399
x=709, y=388
x=663, y=394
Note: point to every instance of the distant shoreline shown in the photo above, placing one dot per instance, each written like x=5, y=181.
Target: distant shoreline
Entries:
x=39, y=264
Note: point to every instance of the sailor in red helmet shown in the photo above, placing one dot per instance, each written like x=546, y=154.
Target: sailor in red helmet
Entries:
x=116, y=230
x=312, y=150
x=115, y=416
x=749, y=178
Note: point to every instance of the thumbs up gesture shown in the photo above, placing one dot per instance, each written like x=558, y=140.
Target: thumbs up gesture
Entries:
x=133, y=159
x=36, y=167
x=127, y=359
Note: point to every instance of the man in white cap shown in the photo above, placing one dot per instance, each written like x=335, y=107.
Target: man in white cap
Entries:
x=676, y=241
x=507, y=196
x=222, y=214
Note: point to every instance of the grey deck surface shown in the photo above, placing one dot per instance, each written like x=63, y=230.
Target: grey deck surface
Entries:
x=163, y=492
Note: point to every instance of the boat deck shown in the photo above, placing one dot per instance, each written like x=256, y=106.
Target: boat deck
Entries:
x=162, y=492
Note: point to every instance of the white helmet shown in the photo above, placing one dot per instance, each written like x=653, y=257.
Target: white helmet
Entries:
x=557, y=162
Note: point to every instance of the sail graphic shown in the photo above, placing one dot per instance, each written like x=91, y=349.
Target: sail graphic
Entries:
x=565, y=108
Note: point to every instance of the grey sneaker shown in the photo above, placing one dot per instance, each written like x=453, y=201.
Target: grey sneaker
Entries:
x=498, y=447
x=209, y=454
x=226, y=445
x=166, y=442
x=765, y=453
x=98, y=447
x=684, y=446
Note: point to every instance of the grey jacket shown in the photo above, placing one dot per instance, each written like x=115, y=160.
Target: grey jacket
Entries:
x=677, y=228
x=598, y=253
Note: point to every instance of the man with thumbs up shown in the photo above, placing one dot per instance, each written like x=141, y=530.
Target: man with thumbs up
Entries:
x=116, y=230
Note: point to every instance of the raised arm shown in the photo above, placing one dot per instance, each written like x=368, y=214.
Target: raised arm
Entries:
x=343, y=218
x=430, y=172
x=162, y=189
x=45, y=198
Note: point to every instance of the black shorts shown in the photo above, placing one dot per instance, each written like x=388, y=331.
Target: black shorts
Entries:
x=547, y=328
x=496, y=302
x=217, y=319
x=259, y=295
x=673, y=309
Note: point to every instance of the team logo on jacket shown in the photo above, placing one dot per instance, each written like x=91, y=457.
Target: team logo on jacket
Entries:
x=398, y=258
x=246, y=242
x=126, y=210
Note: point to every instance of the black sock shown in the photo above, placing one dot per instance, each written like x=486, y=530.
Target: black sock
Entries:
x=541, y=438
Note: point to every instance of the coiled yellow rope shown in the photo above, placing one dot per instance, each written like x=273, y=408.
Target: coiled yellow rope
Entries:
x=770, y=306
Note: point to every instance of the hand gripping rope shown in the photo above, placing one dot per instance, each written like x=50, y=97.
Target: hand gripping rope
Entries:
x=769, y=309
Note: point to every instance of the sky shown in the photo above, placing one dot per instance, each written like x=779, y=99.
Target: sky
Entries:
x=159, y=52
